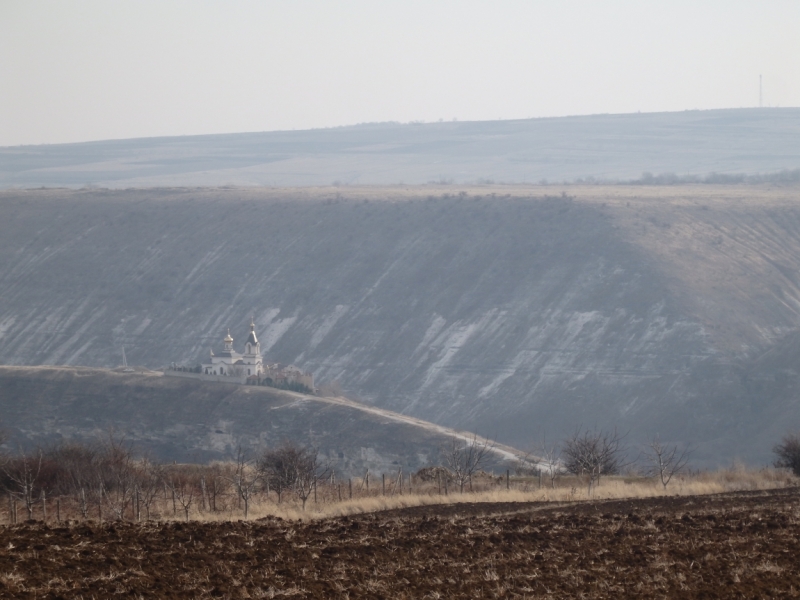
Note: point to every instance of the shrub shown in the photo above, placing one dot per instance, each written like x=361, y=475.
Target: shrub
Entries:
x=788, y=453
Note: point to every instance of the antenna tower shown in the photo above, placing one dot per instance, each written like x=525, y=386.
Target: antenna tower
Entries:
x=125, y=367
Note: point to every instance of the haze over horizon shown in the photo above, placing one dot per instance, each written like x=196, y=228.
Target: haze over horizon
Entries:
x=171, y=169
x=90, y=70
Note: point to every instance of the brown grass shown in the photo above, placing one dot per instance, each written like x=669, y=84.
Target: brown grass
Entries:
x=568, y=489
x=487, y=490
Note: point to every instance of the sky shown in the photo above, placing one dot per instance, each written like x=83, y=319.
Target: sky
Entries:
x=97, y=69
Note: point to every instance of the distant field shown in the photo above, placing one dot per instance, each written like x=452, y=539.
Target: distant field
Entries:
x=605, y=147
x=725, y=546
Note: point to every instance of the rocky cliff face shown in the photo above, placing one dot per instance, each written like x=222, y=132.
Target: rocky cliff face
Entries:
x=497, y=309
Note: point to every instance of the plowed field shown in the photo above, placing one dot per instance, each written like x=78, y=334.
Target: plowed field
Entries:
x=744, y=545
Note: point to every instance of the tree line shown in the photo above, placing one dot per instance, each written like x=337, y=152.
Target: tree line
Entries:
x=590, y=454
x=108, y=480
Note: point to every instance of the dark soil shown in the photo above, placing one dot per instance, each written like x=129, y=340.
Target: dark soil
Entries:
x=744, y=545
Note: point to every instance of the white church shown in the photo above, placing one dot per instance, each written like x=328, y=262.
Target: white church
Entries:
x=231, y=363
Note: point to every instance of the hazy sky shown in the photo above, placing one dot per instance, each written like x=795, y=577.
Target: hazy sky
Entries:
x=97, y=69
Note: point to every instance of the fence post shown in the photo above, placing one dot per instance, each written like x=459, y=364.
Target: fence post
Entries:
x=367, y=478
x=350, y=485
x=383, y=484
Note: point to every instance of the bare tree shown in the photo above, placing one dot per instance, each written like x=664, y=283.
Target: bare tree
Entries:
x=149, y=480
x=76, y=466
x=218, y=483
x=788, y=453
x=279, y=467
x=594, y=453
x=182, y=481
x=292, y=467
x=550, y=460
x=116, y=476
x=463, y=457
x=245, y=478
x=76, y=471
x=308, y=471
x=23, y=473
x=666, y=460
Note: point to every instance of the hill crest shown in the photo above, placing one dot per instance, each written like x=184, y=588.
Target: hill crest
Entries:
x=189, y=420
x=604, y=147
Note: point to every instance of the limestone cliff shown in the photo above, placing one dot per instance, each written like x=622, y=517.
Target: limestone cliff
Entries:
x=518, y=312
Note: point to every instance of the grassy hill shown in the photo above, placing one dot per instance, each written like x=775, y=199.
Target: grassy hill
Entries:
x=193, y=421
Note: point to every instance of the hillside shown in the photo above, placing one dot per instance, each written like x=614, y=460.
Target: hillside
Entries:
x=671, y=310
x=609, y=147
x=192, y=421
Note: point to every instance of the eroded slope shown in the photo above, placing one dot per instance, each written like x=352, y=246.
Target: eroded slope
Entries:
x=497, y=309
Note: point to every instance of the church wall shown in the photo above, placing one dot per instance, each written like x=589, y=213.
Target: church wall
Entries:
x=204, y=377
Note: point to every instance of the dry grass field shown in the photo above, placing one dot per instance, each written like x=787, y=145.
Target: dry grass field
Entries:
x=352, y=497
x=568, y=489
x=732, y=545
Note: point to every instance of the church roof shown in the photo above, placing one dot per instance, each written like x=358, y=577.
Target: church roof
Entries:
x=252, y=339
